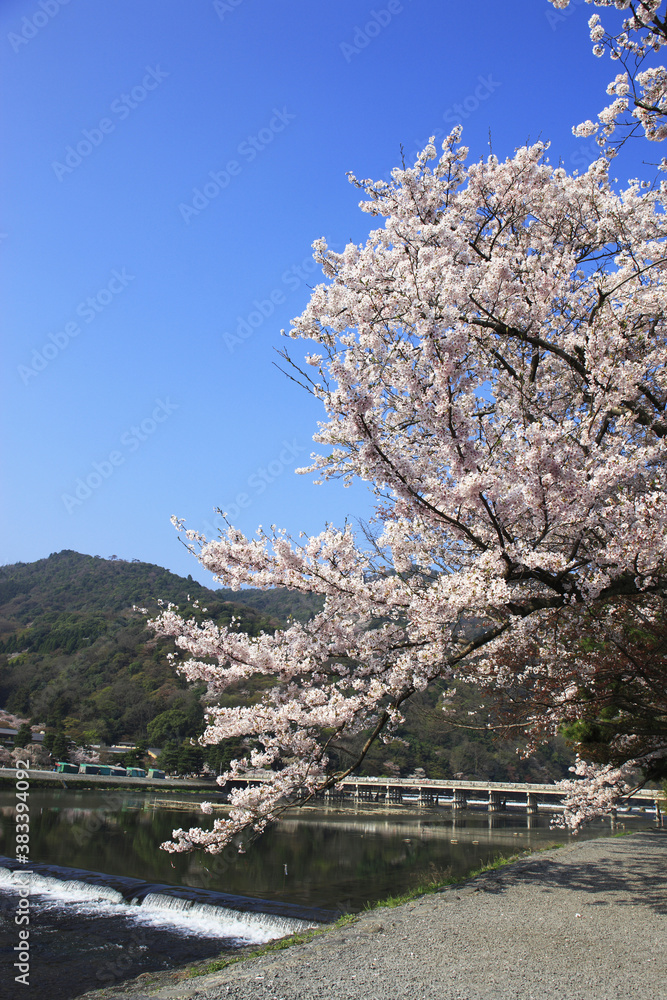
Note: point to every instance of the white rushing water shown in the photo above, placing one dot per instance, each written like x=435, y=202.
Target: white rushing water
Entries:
x=253, y=927
x=71, y=891
x=156, y=910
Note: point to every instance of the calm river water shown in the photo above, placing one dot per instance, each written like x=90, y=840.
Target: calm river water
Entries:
x=83, y=937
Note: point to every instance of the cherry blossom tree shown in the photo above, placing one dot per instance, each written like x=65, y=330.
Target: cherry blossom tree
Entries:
x=11, y=721
x=492, y=363
x=34, y=753
x=640, y=94
x=84, y=755
x=608, y=691
x=604, y=687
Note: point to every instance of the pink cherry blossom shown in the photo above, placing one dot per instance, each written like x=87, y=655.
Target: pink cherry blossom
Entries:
x=640, y=35
x=492, y=363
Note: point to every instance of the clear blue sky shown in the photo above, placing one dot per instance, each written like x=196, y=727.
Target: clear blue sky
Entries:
x=125, y=367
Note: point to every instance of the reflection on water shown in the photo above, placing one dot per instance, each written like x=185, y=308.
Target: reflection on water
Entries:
x=316, y=856
x=325, y=857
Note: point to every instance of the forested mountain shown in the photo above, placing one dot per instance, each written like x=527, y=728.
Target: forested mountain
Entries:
x=281, y=604
x=74, y=653
x=76, y=657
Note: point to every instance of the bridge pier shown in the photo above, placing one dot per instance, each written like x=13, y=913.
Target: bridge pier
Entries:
x=496, y=802
x=356, y=791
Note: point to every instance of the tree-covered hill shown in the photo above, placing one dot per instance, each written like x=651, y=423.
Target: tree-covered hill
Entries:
x=280, y=604
x=75, y=656
x=70, y=582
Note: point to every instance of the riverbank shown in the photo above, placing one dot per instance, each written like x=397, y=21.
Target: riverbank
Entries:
x=86, y=782
x=583, y=922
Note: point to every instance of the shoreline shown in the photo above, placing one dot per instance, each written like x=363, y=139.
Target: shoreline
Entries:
x=553, y=918
x=94, y=782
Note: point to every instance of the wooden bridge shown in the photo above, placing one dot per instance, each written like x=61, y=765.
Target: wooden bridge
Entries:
x=495, y=796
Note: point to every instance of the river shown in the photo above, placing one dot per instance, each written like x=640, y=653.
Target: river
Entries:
x=83, y=935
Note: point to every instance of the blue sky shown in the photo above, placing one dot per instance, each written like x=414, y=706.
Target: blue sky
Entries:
x=168, y=166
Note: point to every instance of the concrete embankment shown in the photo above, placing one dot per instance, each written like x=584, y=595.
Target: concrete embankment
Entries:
x=583, y=922
x=53, y=779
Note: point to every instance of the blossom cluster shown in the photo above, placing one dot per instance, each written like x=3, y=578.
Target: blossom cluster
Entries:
x=594, y=792
x=641, y=34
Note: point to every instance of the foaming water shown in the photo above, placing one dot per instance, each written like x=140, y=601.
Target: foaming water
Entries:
x=67, y=890
x=86, y=933
x=154, y=909
x=255, y=928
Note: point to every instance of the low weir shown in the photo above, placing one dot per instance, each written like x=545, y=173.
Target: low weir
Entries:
x=270, y=914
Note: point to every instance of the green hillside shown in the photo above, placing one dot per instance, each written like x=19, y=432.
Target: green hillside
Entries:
x=70, y=582
x=280, y=604
x=76, y=657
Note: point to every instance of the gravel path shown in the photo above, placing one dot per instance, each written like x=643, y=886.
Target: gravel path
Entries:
x=584, y=922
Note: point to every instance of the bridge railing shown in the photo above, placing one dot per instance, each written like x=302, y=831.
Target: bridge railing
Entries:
x=457, y=793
